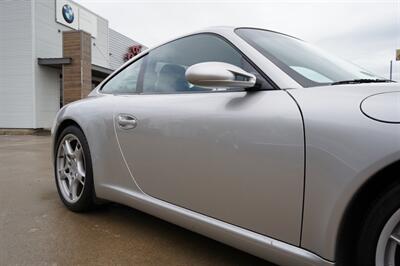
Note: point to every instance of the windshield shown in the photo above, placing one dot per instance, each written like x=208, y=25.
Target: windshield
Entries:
x=306, y=64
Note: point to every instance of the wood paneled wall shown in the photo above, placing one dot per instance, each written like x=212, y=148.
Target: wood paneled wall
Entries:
x=77, y=76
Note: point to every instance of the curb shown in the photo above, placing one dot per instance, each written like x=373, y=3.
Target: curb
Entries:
x=24, y=131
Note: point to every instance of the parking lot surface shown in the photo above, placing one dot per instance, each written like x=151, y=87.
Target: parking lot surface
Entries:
x=36, y=229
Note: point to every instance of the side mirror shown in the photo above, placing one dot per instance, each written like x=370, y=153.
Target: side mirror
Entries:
x=219, y=75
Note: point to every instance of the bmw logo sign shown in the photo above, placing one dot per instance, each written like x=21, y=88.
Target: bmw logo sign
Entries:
x=68, y=13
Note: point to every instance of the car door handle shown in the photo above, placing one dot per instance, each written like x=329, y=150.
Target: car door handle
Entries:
x=126, y=121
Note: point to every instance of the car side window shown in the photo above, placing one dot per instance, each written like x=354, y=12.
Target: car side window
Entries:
x=126, y=81
x=166, y=65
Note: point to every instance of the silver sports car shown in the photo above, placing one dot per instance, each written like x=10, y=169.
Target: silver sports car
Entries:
x=248, y=136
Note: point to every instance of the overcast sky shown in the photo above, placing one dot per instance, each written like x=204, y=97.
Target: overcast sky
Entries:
x=364, y=32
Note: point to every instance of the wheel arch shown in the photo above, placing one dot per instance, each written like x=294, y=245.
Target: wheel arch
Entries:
x=356, y=210
x=64, y=124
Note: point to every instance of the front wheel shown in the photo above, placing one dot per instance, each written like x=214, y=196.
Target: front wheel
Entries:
x=379, y=241
x=73, y=170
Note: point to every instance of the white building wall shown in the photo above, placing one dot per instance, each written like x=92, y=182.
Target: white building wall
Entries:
x=100, y=51
x=30, y=93
x=17, y=96
x=119, y=45
x=48, y=44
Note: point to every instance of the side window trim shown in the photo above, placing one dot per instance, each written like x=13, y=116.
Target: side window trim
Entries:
x=144, y=66
x=222, y=38
x=140, y=79
x=141, y=75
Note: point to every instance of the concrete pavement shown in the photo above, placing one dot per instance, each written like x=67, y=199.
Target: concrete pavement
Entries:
x=36, y=229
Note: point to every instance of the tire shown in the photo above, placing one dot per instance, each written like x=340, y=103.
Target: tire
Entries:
x=85, y=201
x=383, y=214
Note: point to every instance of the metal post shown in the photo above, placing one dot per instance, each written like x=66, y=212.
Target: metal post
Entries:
x=391, y=68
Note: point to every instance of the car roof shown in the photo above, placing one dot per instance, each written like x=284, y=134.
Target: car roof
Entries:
x=221, y=30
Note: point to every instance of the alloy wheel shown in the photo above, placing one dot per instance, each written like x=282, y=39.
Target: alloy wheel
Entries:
x=71, y=168
x=388, y=247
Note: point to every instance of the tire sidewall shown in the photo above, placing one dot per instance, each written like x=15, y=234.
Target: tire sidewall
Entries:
x=379, y=214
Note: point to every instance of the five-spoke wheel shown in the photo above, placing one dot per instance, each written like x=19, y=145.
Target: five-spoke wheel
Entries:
x=379, y=238
x=73, y=169
x=388, y=247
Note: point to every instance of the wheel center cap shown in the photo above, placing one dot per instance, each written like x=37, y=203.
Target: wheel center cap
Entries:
x=74, y=167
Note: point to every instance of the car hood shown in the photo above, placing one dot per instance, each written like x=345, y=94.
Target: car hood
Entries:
x=364, y=88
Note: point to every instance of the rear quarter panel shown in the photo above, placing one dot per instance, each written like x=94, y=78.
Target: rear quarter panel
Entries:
x=94, y=115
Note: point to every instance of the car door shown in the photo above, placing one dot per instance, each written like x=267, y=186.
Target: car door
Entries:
x=232, y=155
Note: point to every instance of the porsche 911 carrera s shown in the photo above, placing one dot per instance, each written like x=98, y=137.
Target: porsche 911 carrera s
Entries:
x=251, y=137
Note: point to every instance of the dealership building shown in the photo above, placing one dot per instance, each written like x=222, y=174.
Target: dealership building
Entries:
x=52, y=52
